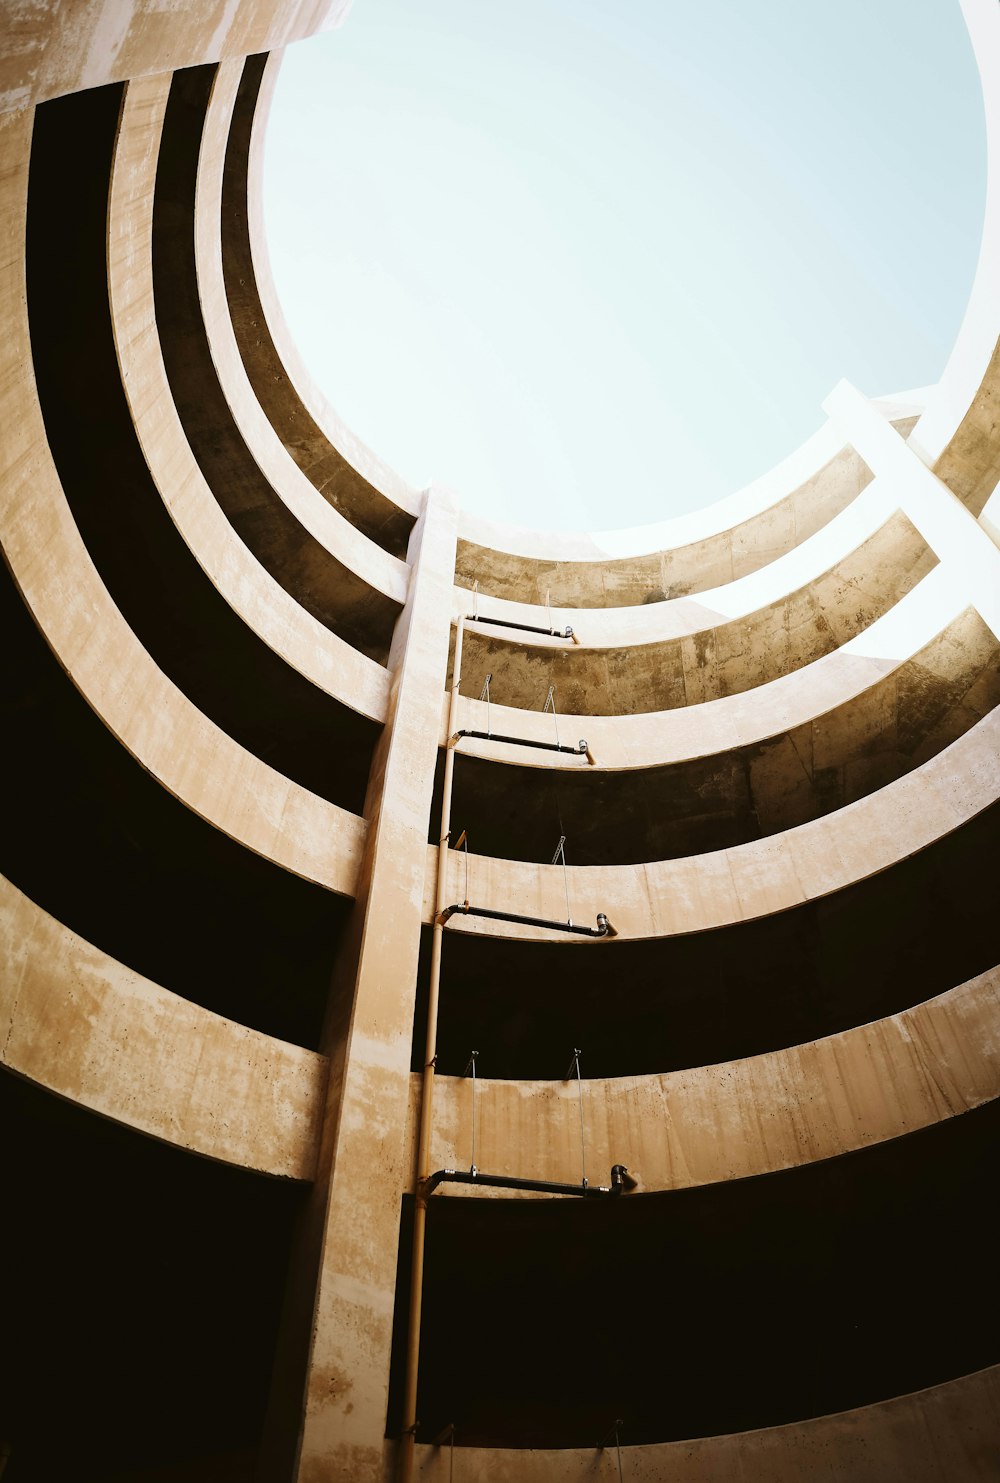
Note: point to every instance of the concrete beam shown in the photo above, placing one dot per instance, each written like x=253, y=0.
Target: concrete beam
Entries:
x=948, y=527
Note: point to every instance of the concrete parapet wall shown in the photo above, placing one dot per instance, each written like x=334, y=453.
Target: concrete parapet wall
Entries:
x=938, y=1435
x=152, y=718
x=91, y=1030
x=739, y=1118
x=751, y=880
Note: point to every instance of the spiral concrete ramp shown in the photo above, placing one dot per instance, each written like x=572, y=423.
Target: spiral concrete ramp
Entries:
x=229, y=632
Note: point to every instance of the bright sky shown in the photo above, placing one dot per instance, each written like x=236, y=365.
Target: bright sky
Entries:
x=595, y=263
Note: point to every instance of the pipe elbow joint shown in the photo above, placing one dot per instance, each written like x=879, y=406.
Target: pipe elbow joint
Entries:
x=622, y=1182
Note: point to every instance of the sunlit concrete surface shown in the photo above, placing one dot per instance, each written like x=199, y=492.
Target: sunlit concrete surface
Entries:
x=230, y=637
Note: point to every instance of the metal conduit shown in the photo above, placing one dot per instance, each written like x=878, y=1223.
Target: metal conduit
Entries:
x=621, y=1181
x=580, y=750
x=426, y=1182
x=555, y=633
x=603, y=928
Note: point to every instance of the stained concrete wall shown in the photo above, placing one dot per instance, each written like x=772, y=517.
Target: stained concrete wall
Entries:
x=678, y=572
x=735, y=1119
x=64, y=46
x=937, y=1435
x=93, y=1031
x=262, y=603
x=704, y=891
x=782, y=609
x=153, y=719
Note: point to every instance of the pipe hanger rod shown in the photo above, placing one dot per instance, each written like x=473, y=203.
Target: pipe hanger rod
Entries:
x=405, y=1455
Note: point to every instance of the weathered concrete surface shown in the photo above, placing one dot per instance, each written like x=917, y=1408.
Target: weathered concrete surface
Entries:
x=363, y=1165
x=754, y=501
x=62, y=46
x=750, y=880
x=947, y=526
x=91, y=1030
x=151, y=717
x=661, y=738
x=756, y=787
x=263, y=603
x=947, y=1434
x=341, y=598
x=73, y=1005
x=673, y=572
x=856, y=527
x=738, y=1118
x=714, y=659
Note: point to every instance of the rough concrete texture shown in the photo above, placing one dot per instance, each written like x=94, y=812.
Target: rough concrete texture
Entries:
x=319, y=516
x=933, y=1436
x=698, y=892
x=64, y=46
x=261, y=601
x=717, y=660
x=662, y=575
x=659, y=738
x=725, y=796
x=738, y=1118
x=152, y=718
x=815, y=659
x=91, y=1030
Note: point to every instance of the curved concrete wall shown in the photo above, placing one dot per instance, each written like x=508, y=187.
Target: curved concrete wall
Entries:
x=61, y=49
x=870, y=536
x=699, y=652
x=346, y=472
x=931, y=1436
x=738, y=1118
x=323, y=520
x=671, y=571
x=53, y=570
x=935, y=607
x=751, y=880
x=262, y=603
x=93, y=1031
x=810, y=665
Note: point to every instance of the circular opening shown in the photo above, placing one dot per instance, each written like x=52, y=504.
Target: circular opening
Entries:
x=595, y=266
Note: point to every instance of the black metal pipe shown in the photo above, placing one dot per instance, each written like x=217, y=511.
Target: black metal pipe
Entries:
x=603, y=928
x=620, y=1182
x=523, y=741
x=554, y=633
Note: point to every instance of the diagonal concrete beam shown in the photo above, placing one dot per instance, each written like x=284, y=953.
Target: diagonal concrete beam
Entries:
x=951, y=531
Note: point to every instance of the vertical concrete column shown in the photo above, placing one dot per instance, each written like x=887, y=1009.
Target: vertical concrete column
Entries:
x=345, y=1266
